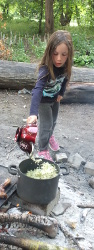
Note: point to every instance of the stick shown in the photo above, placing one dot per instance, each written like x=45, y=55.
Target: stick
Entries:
x=10, y=151
x=69, y=235
x=28, y=244
x=85, y=205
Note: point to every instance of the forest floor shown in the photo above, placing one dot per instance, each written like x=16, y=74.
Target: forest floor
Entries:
x=75, y=133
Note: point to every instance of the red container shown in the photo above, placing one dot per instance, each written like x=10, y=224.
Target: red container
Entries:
x=25, y=136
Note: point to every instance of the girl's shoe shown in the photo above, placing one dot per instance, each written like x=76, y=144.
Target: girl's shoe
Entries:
x=45, y=155
x=53, y=144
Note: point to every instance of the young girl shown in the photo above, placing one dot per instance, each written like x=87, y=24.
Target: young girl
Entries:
x=54, y=74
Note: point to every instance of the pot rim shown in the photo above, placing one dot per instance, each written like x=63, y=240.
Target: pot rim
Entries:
x=43, y=160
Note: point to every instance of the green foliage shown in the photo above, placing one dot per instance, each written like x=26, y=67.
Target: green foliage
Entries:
x=19, y=54
x=81, y=11
x=83, y=42
x=20, y=26
x=37, y=46
x=84, y=60
x=24, y=41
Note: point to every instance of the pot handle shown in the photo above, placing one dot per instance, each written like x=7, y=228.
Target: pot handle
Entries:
x=66, y=170
x=12, y=169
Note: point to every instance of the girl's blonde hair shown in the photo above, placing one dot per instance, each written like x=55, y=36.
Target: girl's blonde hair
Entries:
x=58, y=37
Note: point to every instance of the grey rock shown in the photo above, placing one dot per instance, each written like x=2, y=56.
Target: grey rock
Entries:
x=61, y=208
x=89, y=168
x=61, y=157
x=76, y=160
x=91, y=182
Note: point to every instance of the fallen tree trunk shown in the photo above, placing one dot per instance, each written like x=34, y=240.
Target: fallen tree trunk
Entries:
x=15, y=76
x=79, y=93
x=18, y=75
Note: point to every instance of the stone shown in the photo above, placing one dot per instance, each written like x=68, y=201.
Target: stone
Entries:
x=76, y=161
x=89, y=168
x=61, y=157
x=44, y=210
x=60, y=208
x=91, y=182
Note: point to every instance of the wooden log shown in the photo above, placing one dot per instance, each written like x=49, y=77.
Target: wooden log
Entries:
x=19, y=75
x=47, y=224
x=79, y=93
x=27, y=243
x=82, y=75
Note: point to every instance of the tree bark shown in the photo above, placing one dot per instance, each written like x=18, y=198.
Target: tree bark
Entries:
x=17, y=75
x=49, y=22
x=28, y=244
x=40, y=18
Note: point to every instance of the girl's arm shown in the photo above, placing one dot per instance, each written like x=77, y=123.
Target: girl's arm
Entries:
x=37, y=94
x=59, y=98
x=32, y=119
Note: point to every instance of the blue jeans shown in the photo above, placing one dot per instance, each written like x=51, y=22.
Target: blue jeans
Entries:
x=48, y=113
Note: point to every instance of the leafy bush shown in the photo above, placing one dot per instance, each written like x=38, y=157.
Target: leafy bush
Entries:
x=21, y=37
x=37, y=46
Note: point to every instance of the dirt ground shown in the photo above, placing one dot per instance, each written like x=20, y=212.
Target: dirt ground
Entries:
x=74, y=129
x=75, y=133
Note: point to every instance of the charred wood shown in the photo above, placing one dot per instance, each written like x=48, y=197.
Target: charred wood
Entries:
x=4, y=185
x=47, y=224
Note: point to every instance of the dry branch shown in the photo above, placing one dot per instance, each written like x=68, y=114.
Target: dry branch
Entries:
x=47, y=224
x=69, y=235
x=28, y=244
x=85, y=205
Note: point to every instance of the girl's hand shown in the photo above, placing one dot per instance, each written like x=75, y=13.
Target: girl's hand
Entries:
x=32, y=119
x=59, y=98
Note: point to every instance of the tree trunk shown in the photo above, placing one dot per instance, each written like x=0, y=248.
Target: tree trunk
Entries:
x=49, y=22
x=17, y=75
x=66, y=13
x=41, y=14
x=79, y=93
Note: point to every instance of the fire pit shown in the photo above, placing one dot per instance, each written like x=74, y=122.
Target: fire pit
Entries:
x=36, y=190
x=14, y=199
x=36, y=216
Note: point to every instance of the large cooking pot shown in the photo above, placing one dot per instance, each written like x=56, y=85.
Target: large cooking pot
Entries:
x=36, y=191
